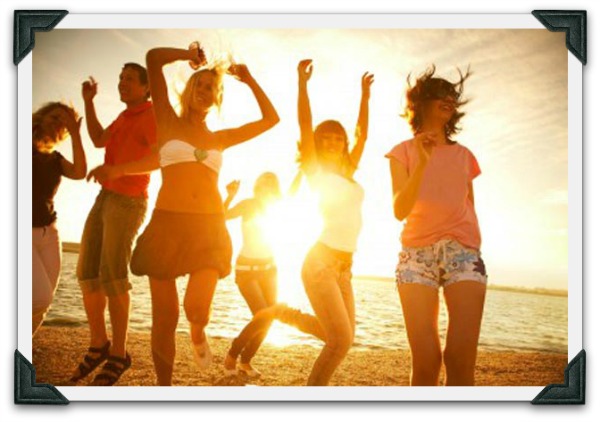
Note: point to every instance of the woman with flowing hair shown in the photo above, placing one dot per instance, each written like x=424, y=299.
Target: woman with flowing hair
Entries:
x=329, y=165
x=432, y=178
x=255, y=267
x=51, y=124
x=186, y=234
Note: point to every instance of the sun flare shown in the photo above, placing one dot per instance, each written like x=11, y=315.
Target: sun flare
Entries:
x=291, y=227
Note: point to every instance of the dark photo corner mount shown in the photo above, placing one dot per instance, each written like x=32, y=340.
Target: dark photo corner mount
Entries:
x=573, y=22
x=27, y=391
x=28, y=21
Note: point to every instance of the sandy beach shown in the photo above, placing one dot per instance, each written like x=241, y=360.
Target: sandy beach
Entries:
x=56, y=351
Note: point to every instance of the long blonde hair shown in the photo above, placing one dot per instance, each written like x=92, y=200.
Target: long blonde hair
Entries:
x=218, y=70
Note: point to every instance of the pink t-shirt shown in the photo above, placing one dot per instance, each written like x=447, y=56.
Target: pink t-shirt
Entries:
x=443, y=209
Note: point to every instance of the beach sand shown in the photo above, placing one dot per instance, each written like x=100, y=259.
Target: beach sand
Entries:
x=57, y=350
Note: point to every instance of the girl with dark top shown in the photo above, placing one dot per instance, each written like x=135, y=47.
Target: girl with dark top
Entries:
x=432, y=179
x=51, y=124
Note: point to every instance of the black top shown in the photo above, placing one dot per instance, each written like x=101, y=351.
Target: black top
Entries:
x=47, y=171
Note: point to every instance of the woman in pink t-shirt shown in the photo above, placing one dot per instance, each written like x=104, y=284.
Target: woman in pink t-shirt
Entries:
x=433, y=192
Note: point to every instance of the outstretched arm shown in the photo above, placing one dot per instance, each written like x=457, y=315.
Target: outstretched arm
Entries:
x=362, y=125
x=229, y=137
x=307, y=142
x=156, y=58
x=241, y=208
x=144, y=165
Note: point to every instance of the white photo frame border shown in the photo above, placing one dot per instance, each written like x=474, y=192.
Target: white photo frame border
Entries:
x=304, y=20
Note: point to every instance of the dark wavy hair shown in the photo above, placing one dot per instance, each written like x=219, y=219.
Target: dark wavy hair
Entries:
x=427, y=88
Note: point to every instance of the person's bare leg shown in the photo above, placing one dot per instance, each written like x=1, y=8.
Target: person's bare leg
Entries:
x=330, y=309
x=464, y=300
x=165, y=314
x=197, y=302
x=420, y=306
x=95, y=307
x=118, y=308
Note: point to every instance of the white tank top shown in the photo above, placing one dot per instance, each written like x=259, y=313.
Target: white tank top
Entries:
x=176, y=151
x=340, y=203
x=254, y=242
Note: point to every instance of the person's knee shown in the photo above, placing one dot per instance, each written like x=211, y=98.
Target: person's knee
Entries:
x=339, y=343
x=166, y=320
x=197, y=315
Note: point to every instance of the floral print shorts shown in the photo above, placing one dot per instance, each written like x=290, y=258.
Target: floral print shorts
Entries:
x=439, y=265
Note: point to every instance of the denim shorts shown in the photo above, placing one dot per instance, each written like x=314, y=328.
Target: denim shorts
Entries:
x=323, y=264
x=440, y=265
x=107, y=240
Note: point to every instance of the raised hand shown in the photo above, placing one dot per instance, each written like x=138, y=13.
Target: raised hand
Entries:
x=366, y=82
x=198, y=56
x=305, y=69
x=89, y=89
x=425, y=142
x=73, y=126
x=240, y=72
x=69, y=122
x=232, y=188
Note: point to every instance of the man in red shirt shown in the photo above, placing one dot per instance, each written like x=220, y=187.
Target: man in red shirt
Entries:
x=114, y=220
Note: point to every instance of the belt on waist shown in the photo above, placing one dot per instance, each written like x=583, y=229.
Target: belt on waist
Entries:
x=256, y=267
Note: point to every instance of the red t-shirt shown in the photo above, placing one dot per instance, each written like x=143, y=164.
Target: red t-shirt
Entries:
x=443, y=209
x=132, y=135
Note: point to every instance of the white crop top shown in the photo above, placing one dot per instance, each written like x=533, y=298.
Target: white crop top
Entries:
x=255, y=244
x=340, y=203
x=176, y=151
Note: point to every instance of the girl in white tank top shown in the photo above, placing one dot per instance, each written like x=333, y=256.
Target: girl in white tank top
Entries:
x=329, y=166
x=255, y=270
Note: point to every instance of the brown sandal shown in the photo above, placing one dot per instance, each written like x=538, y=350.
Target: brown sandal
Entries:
x=112, y=370
x=89, y=363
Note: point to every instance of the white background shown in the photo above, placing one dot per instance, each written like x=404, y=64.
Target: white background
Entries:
x=271, y=411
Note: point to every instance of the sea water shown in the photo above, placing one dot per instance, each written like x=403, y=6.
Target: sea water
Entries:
x=512, y=320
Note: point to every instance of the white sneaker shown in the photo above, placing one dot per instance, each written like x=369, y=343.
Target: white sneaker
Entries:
x=202, y=354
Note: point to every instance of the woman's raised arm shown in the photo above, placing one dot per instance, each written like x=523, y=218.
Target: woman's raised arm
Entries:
x=229, y=137
x=362, y=124
x=156, y=58
x=307, y=140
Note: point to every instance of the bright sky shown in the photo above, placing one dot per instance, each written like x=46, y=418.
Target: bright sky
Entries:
x=516, y=125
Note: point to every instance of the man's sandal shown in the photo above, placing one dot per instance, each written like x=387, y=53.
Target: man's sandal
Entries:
x=112, y=370
x=93, y=358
